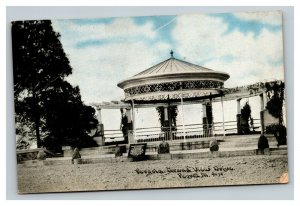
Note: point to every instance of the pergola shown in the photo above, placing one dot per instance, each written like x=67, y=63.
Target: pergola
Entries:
x=173, y=82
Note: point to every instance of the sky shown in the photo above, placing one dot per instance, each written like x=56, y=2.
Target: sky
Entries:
x=106, y=51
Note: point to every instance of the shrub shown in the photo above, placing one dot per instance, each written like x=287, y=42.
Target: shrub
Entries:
x=75, y=155
x=163, y=148
x=213, y=145
x=263, y=142
x=165, y=124
x=118, y=151
x=245, y=115
x=279, y=132
x=41, y=155
x=19, y=159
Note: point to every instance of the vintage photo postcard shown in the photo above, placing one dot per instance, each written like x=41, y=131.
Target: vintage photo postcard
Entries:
x=149, y=102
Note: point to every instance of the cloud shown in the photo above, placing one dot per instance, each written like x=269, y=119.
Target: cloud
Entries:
x=97, y=68
x=243, y=22
x=105, y=51
x=248, y=57
x=273, y=18
x=119, y=28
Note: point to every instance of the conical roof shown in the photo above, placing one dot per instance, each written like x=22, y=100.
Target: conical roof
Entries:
x=171, y=66
x=170, y=79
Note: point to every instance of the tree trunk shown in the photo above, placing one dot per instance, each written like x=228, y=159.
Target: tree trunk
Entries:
x=37, y=130
x=37, y=121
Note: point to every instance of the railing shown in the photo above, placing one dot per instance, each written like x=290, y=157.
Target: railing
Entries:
x=190, y=131
x=113, y=136
x=172, y=135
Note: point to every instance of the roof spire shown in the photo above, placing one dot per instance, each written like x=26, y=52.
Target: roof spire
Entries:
x=172, y=54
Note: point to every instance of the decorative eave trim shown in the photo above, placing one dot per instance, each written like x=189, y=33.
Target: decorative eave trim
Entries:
x=135, y=81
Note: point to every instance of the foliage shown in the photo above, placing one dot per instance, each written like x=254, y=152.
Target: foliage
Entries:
x=245, y=115
x=43, y=98
x=163, y=148
x=161, y=116
x=76, y=155
x=118, y=151
x=38, y=60
x=24, y=136
x=263, y=142
x=209, y=115
x=279, y=132
x=22, y=143
x=246, y=111
x=41, y=155
x=165, y=125
x=124, y=125
x=213, y=145
x=275, y=93
x=68, y=119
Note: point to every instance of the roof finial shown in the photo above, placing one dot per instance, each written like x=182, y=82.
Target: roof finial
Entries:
x=172, y=54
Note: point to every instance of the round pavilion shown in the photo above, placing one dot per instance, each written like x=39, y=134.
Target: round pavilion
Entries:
x=172, y=81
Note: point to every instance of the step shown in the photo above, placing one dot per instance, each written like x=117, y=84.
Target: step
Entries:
x=236, y=141
x=183, y=154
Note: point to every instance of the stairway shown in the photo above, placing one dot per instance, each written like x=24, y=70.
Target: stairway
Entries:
x=245, y=141
x=248, y=142
x=229, y=143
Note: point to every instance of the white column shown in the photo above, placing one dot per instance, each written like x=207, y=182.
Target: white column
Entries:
x=238, y=102
x=182, y=118
x=128, y=114
x=204, y=110
x=133, y=120
x=238, y=116
x=263, y=104
x=223, y=116
x=212, y=123
x=263, y=101
x=166, y=115
x=99, y=116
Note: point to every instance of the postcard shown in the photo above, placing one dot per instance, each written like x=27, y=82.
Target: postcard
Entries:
x=149, y=102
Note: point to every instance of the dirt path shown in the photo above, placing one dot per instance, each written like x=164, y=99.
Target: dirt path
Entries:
x=153, y=174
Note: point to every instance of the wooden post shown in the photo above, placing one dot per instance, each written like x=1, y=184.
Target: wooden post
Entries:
x=170, y=122
x=182, y=118
x=204, y=120
x=99, y=116
x=129, y=118
x=238, y=116
x=100, y=128
x=263, y=103
x=223, y=116
x=133, y=121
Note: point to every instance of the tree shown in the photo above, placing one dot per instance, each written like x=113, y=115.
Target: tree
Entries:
x=68, y=120
x=43, y=98
x=38, y=61
x=275, y=92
